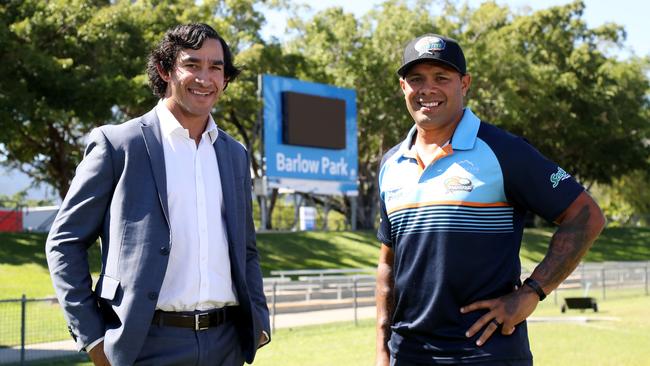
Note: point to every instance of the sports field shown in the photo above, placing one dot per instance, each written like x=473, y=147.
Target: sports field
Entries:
x=623, y=339
x=23, y=268
x=621, y=342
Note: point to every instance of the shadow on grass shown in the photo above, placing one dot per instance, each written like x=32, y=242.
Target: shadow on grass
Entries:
x=346, y=249
x=614, y=244
x=621, y=244
x=21, y=248
x=24, y=248
x=317, y=250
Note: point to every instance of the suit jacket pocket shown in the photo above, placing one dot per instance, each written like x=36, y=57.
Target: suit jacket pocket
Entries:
x=108, y=287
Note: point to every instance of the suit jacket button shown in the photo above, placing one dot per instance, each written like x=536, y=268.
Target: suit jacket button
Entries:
x=152, y=295
x=164, y=250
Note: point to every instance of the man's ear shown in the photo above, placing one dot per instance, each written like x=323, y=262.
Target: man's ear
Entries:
x=161, y=71
x=465, y=82
x=225, y=84
x=402, y=85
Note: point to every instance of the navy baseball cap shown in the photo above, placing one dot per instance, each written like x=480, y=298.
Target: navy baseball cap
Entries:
x=433, y=48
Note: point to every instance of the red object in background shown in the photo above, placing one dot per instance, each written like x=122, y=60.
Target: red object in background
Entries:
x=11, y=221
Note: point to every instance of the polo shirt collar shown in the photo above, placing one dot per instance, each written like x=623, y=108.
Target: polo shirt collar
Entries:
x=466, y=132
x=464, y=136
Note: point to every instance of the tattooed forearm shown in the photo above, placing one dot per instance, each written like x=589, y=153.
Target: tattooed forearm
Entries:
x=385, y=300
x=384, y=296
x=569, y=244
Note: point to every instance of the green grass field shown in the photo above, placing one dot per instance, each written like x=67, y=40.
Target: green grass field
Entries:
x=606, y=343
x=23, y=269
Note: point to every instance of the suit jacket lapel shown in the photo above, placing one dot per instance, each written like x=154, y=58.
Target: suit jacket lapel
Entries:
x=153, y=141
x=227, y=176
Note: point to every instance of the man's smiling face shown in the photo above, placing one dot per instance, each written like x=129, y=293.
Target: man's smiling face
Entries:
x=196, y=81
x=434, y=94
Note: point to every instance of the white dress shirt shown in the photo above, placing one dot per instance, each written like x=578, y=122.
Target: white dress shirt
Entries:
x=198, y=273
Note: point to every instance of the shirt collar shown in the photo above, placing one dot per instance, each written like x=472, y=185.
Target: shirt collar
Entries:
x=170, y=125
x=463, y=139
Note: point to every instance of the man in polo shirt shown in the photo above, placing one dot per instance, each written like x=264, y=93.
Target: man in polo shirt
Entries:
x=453, y=198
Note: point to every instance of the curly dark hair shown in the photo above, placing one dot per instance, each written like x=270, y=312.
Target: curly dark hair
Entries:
x=176, y=39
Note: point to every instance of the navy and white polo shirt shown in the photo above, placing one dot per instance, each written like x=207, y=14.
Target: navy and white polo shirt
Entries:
x=455, y=227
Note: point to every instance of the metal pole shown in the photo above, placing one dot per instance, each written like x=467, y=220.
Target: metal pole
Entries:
x=646, y=279
x=353, y=213
x=604, y=283
x=23, y=308
x=356, y=305
x=263, y=218
x=260, y=122
x=275, y=285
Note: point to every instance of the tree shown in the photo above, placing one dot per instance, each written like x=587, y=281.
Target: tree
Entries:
x=66, y=66
x=73, y=65
x=19, y=200
x=363, y=55
x=548, y=77
x=543, y=75
x=70, y=66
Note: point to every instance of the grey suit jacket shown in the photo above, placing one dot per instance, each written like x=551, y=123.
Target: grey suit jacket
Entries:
x=119, y=194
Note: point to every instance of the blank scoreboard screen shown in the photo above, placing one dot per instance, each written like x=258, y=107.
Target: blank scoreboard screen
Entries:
x=310, y=120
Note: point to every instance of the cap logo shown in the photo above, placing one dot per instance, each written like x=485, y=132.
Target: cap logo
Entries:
x=429, y=45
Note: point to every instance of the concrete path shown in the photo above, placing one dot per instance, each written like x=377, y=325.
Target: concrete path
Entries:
x=321, y=317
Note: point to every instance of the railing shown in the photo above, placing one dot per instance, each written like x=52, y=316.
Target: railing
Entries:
x=321, y=272
x=320, y=291
x=33, y=330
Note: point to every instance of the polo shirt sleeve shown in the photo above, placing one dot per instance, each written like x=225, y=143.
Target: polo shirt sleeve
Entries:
x=383, y=233
x=536, y=183
x=384, y=230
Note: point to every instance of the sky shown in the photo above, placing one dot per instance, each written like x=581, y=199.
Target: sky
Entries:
x=631, y=14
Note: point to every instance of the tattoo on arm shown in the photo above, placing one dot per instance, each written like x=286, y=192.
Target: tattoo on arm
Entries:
x=568, y=245
x=385, y=302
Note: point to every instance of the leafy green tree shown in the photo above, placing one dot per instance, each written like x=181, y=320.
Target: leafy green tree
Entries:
x=363, y=54
x=67, y=64
x=19, y=200
x=70, y=66
x=544, y=75
x=551, y=79
x=626, y=201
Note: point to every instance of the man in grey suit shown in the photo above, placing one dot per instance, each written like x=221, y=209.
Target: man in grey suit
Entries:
x=169, y=194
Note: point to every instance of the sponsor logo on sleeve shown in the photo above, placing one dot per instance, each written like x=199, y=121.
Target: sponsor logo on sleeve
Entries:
x=559, y=176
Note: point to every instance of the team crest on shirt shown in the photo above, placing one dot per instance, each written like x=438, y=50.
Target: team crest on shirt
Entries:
x=456, y=184
x=559, y=176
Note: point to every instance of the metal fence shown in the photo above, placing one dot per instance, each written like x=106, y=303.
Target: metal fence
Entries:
x=603, y=280
x=32, y=330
